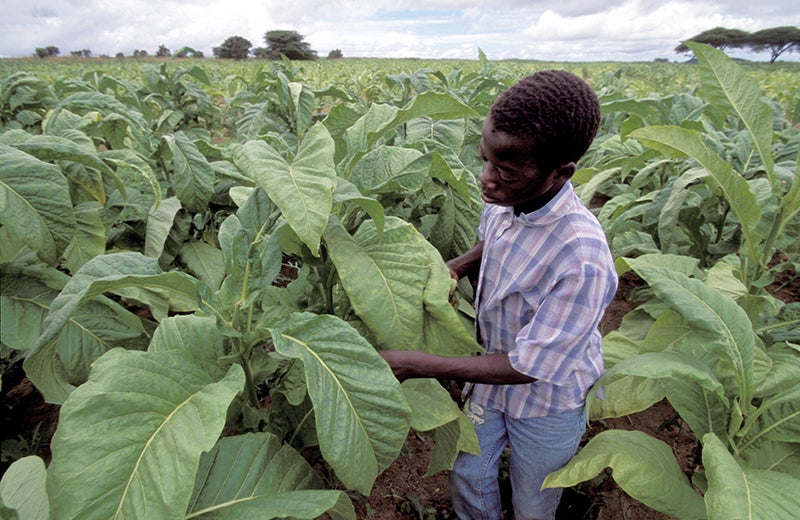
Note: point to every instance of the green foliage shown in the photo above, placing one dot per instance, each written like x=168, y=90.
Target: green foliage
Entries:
x=289, y=44
x=191, y=250
x=234, y=48
x=194, y=234
x=701, y=342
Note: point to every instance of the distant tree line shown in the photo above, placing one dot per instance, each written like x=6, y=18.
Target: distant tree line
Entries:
x=776, y=40
x=279, y=43
x=162, y=52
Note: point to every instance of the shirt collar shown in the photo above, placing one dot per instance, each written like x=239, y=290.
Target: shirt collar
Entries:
x=557, y=207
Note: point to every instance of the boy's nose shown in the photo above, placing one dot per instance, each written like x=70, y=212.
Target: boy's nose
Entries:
x=487, y=180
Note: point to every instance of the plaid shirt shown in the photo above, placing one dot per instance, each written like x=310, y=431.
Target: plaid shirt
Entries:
x=546, y=278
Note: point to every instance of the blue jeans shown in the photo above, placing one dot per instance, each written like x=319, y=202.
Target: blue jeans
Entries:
x=538, y=446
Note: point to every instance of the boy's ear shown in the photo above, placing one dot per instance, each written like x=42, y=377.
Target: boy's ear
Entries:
x=566, y=170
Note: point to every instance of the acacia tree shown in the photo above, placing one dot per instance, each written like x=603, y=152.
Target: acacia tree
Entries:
x=289, y=44
x=233, y=48
x=718, y=37
x=163, y=51
x=777, y=40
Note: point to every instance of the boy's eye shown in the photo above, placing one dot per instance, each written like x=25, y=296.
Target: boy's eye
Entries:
x=505, y=177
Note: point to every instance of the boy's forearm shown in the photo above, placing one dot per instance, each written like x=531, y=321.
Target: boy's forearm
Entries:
x=468, y=262
x=488, y=369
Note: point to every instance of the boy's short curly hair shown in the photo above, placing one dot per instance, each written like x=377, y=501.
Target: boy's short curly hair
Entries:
x=554, y=108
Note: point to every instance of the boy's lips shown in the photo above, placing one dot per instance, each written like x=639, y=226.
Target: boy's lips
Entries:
x=487, y=198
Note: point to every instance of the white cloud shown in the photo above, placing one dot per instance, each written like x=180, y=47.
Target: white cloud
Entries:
x=541, y=29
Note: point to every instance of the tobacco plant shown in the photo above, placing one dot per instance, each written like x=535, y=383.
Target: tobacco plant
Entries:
x=290, y=367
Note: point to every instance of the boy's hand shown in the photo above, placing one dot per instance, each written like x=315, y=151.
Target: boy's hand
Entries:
x=451, y=298
x=400, y=362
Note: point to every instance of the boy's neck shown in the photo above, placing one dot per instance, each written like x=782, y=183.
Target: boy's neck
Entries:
x=539, y=202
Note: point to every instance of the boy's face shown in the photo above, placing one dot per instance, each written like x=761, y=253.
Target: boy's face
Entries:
x=510, y=177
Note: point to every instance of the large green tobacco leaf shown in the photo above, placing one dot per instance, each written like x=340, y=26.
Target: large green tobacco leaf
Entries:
x=192, y=176
x=387, y=169
x=361, y=416
x=703, y=410
x=434, y=410
x=198, y=335
x=776, y=419
x=637, y=374
x=449, y=440
x=643, y=466
x=78, y=327
x=776, y=456
x=736, y=493
x=382, y=119
x=118, y=272
x=675, y=141
x=623, y=396
x=133, y=171
x=35, y=203
x=432, y=405
x=254, y=474
x=205, y=261
x=452, y=228
x=25, y=299
x=159, y=223
x=89, y=240
x=347, y=192
x=99, y=325
x=399, y=285
x=302, y=189
x=708, y=310
x=23, y=489
x=727, y=86
x=129, y=440
x=52, y=148
x=105, y=104
x=443, y=331
x=669, y=217
x=301, y=504
x=444, y=135
x=250, y=255
x=385, y=281
x=303, y=102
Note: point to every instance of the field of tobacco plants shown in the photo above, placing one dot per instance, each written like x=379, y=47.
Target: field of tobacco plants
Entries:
x=200, y=260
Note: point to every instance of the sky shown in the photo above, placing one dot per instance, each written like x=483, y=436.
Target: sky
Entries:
x=550, y=30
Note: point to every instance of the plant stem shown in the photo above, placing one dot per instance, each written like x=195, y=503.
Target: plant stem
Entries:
x=721, y=224
x=329, y=290
x=250, y=385
x=300, y=425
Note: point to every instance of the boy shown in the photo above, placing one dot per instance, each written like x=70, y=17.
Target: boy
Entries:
x=545, y=278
